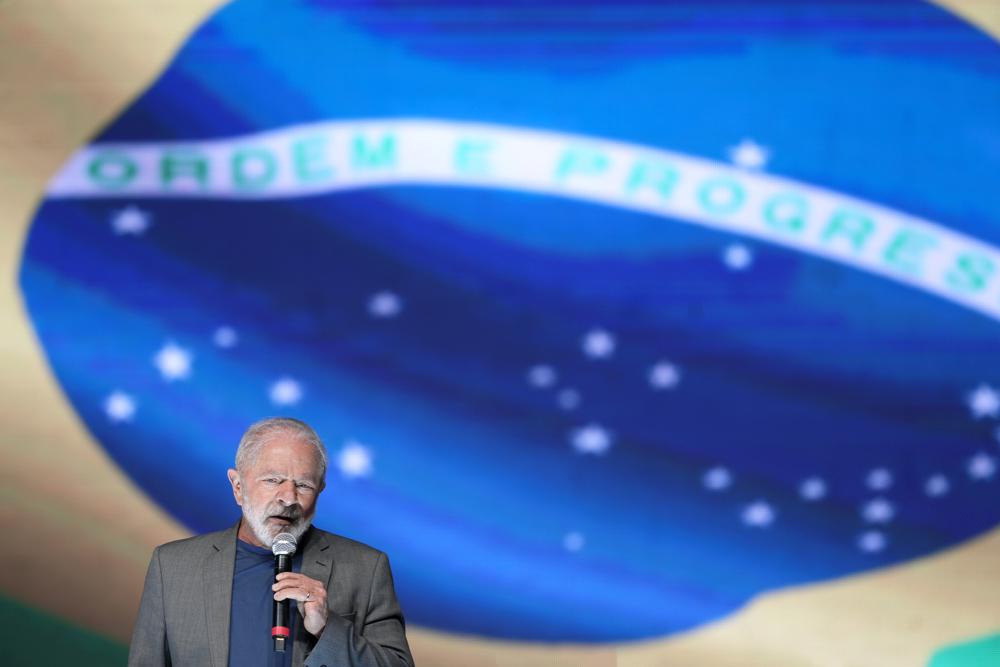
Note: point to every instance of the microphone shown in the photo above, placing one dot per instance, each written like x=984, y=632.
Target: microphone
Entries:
x=283, y=548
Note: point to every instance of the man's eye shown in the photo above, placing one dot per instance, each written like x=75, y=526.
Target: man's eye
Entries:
x=305, y=486
x=271, y=480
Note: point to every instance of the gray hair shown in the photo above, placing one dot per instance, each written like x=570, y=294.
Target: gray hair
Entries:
x=260, y=433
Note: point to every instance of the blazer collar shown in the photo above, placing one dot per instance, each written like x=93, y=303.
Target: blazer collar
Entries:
x=317, y=563
x=217, y=578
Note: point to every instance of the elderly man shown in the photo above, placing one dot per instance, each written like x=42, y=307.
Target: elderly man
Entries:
x=208, y=599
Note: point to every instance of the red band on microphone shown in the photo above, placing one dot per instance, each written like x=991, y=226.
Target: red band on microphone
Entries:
x=280, y=631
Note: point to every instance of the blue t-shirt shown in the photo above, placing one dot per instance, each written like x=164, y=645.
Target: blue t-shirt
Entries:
x=250, y=643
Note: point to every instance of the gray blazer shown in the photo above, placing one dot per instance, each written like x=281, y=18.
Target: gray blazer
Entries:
x=184, y=614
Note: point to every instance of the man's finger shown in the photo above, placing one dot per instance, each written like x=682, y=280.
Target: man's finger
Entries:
x=297, y=575
x=292, y=594
x=290, y=583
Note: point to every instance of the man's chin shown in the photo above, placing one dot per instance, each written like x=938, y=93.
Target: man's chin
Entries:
x=274, y=527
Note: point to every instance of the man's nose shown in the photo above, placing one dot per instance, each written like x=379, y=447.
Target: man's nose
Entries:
x=287, y=494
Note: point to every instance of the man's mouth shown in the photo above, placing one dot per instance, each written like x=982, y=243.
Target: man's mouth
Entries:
x=284, y=520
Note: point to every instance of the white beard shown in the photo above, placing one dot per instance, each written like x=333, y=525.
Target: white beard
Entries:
x=267, y=532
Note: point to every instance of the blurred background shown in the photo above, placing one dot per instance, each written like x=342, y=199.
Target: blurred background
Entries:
x=640, y=333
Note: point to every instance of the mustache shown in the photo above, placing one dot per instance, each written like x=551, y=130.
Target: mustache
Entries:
x=291, y=512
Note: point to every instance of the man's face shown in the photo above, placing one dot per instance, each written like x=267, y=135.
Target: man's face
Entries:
x=278, y=491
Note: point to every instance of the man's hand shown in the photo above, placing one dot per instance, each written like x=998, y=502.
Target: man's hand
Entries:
x=310, y=595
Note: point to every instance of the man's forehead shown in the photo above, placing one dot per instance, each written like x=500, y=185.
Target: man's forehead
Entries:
x=285, y=449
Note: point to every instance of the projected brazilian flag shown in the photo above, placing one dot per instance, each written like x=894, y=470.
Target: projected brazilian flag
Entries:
x=614, y=317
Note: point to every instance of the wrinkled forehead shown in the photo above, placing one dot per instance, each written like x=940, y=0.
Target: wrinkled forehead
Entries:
x=287, y=453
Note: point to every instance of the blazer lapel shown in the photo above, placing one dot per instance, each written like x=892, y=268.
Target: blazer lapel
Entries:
x=218, y=586
x=317, y=563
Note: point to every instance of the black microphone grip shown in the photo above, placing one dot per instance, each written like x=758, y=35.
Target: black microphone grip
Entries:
x=280, y=623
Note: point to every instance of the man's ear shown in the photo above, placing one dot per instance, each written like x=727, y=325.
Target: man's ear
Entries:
x=234, y=481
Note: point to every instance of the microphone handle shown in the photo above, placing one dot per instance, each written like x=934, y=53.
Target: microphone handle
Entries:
x=279, y=618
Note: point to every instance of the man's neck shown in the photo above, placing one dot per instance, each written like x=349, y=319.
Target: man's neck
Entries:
x=246, y=534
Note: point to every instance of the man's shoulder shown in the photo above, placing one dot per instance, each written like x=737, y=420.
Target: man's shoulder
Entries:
x=346, y=547
x=195, y=544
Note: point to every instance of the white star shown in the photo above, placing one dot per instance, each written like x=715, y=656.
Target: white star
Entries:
x=758, y=514
x=541, y=376
x=598, y=344
x=936, y=485
x=119, y=406
x=173, y=362
x=984, y=401
x=749, y=154
x=878, y=510
x=385, y=305
x=130, y=220
x=225, y=337
x=355, y=460
x=879, y=479
x=286, y=391
x=664, y=375
x=717, y=479
x=573, y=541
x=568, y=399
x=737, y=257
x=872, y=541
x=591, y=439
x=982, y=466
x=812, y=489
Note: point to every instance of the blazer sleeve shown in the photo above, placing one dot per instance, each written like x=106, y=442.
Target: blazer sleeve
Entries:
x=149, y=637
x=377, y=640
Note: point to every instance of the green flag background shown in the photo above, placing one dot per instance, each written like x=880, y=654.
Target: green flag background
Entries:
x=77, y=530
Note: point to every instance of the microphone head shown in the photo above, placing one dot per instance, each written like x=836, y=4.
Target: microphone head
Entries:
x=284, y=544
